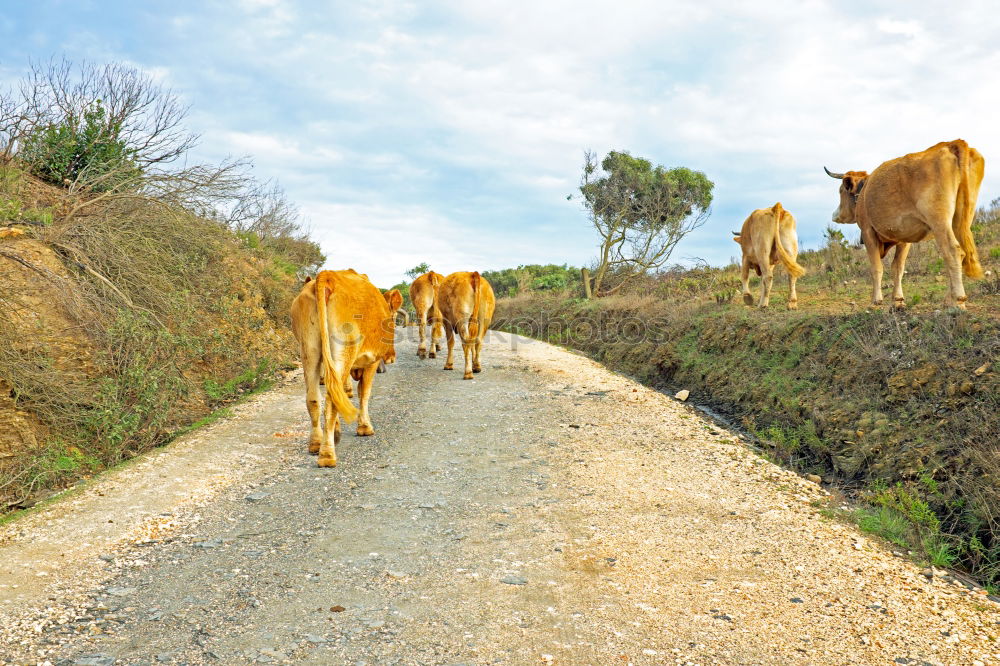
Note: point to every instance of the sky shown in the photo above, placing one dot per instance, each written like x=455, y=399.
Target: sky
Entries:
x=452, y=132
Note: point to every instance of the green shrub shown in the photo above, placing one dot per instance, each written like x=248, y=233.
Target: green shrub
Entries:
x=884, y=522
x=87, y=150
x=253, y=379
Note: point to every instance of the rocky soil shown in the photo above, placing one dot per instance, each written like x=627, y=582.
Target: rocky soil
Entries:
x=547, y=512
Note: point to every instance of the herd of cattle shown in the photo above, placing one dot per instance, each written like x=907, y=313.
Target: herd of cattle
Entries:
x=903, y=201
x=345, y=325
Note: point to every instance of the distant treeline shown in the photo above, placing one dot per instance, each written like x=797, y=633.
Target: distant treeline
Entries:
x=533, y=277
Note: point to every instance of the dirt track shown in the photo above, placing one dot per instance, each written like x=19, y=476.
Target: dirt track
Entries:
x=546, y=512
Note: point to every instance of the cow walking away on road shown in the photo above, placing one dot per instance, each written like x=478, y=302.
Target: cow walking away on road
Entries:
x=767, y=238
x=466, y=302
x=346, y=329
x=424, y=295
x=910, y=199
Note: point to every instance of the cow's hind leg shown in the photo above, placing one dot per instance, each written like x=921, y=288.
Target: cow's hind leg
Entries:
x=348, y=386
x=436, y=333
x=477, y=348
x=467, y=344
x=328, y=449
x=364, y=393
x=766, y=280
x=952, y=254
x=421, y=324
x=314, y=404
x=793, y=296
x=449, y=333
x=747, y=296
x=898, y=268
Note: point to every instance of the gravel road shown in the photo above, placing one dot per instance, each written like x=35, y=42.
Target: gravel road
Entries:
x=547, y=512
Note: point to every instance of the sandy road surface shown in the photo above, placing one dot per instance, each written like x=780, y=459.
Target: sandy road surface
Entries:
x=546, y=512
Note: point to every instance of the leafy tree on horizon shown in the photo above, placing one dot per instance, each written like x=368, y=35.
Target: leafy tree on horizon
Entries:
x=640, y=212
x=418, y=270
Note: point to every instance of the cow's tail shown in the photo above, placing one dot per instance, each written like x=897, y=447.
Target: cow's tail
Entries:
x=965, y=212
x=787, y=261
x=334, y=384
x=475, y=279
x=438, y=328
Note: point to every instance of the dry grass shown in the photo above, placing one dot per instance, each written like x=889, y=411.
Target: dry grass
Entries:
x=122, y=326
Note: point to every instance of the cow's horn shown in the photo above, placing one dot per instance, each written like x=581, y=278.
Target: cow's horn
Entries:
x=832, y=174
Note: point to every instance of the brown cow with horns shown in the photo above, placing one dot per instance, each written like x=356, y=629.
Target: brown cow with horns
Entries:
x=909, y=199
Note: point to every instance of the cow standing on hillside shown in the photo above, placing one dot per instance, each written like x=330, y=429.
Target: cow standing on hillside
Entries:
x=424, y=295
x=346, y=328
x=767, y=238
x=466, y=303
x=909, y=199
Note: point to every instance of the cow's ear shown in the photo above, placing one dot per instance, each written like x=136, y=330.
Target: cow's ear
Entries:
x=858, y=185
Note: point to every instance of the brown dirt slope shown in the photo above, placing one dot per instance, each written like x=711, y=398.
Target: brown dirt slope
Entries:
x=119, y=328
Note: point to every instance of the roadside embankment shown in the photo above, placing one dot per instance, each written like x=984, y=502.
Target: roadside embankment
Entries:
x=120, y=328
x=903, y=409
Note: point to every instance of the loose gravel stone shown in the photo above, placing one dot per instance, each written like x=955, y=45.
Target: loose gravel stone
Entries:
x=98, y=659
x=514, y=580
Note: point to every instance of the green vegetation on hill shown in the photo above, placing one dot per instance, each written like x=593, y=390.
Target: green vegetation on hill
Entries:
x=533, y=278
x=137, y=292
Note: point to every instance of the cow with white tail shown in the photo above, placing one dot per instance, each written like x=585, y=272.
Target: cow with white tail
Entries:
x=768, y=238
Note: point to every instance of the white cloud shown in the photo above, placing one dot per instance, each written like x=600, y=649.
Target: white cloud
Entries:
x=276, y=151
x=451, y=132
x=384, y=241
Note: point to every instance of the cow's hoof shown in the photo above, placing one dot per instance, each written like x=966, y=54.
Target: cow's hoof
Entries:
x=467, y=375
x=327, y=461
x=449, y=366
x=477, y=368
x=763, y=306
x=349, y=392
x=313, y=448
x=431, y=355
x=793, y=305
x=365, y=430
x=437, y=347
x=899, y=304
x=422, y=353
x=747, y=299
